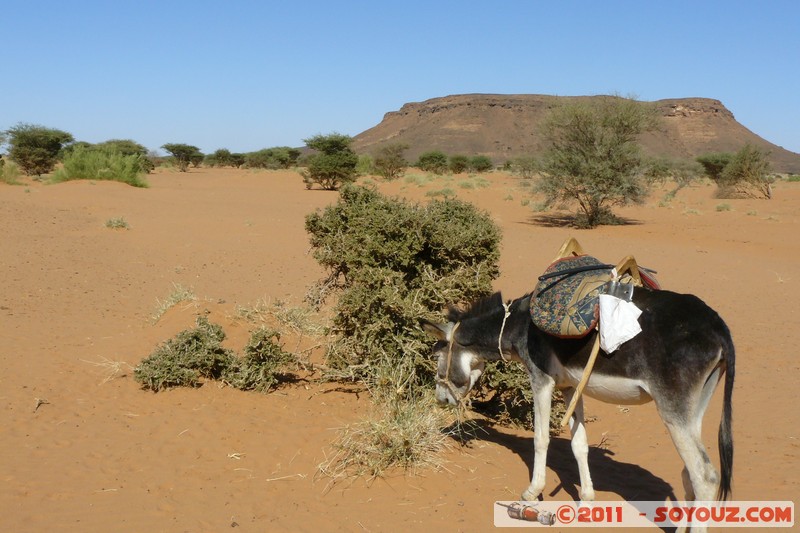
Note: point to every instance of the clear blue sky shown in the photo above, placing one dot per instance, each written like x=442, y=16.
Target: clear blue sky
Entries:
x=246, y=75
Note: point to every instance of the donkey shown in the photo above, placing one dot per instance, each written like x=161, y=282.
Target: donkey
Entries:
x=677, y=360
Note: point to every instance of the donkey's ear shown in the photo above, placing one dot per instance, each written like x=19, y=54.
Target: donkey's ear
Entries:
x=438, y=331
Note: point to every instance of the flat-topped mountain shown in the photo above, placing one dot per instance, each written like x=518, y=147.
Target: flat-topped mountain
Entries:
x=507, y=126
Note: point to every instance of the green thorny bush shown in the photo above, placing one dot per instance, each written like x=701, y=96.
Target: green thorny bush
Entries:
x=196, y=354
x=394, y=263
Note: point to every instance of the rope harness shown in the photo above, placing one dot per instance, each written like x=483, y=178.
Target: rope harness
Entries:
x=445, y=382
x=506, y=314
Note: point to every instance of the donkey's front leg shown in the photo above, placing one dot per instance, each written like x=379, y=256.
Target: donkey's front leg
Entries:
x=580, y=446
x=542, y=397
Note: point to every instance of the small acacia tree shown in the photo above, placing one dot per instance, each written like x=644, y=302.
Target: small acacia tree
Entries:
x=714, y=163
x=36, y=148
x=390, y=161
x=594, y=158
x=333, y=165
x=183, y=154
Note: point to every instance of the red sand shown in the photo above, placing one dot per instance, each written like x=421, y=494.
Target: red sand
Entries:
x=106, y=456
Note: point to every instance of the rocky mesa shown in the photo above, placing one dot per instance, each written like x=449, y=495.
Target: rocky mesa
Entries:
x=507, y=126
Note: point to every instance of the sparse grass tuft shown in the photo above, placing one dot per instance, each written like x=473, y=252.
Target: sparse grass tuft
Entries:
x=111, y=369
x=447, y=192
x=723, y=207
x=9, y=172
x=117, y=223
x=179, y=294
x=418, y=179
x=297, y=319
x=405, y=434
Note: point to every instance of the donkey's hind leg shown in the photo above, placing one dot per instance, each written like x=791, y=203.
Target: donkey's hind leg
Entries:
x=580, y=446
x=543, y=386
x=703, y=478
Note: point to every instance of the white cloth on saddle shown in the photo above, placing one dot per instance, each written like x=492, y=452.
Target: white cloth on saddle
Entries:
x=619, y=322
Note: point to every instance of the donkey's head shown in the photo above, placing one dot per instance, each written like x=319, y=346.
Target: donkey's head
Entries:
x=459, y=367
x=462, y=345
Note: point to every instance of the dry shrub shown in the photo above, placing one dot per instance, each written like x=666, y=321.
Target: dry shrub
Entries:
x=393, y=263
x=197, y=354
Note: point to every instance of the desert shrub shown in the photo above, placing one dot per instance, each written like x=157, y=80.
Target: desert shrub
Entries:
x=480, y=163
x=747, y=174
x=395, y=263
x=333, y=164
x=127, y=147
x=263, y=364
x=365, y=165
x=94, y=164
x=196, y=354
x=433, y=161
x=36, y=148
x=458, y=164
x=237, y=160
x=390, y=161
x=186, y=359
x=221, y=157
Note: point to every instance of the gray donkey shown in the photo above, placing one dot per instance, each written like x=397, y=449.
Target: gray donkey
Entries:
x=677, y=361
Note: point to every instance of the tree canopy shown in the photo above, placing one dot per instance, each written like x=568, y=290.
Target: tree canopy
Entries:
x=594, y=158
x=36, y=148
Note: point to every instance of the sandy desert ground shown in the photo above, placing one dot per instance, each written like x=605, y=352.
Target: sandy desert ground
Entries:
x=79, y=452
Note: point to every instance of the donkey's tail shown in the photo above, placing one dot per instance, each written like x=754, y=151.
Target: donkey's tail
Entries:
x=725, y=438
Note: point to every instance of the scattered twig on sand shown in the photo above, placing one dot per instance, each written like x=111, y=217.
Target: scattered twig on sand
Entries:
x=290, y=476
x=604, y=442
x=40, y=402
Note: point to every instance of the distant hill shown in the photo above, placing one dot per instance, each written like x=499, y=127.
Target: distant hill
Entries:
x=507, y=126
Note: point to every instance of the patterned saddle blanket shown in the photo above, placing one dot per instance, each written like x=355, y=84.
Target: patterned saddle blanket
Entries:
x=565, y=301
